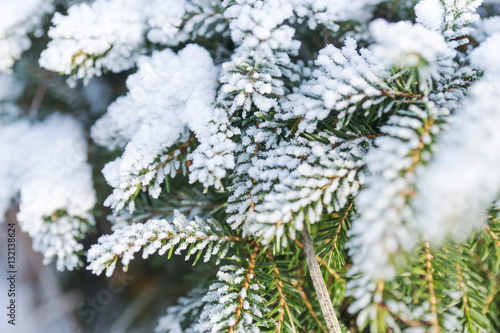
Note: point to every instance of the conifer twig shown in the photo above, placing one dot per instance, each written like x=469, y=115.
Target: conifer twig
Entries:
x=308, y=304
x=248, y=276
x=463, y=288
x=489, y=299
x=337, y=233
x=324, y=263
x=492, y=234
x=279, y=286
x=37, y=101
x=319, y=284
x=430, y=284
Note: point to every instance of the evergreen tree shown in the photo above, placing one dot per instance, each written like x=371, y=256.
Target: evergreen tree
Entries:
x=334, y=163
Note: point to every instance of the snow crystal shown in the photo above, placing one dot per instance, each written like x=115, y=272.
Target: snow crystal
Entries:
x=449, y=17
x=110, y=35
x=343, y=78
x=103, y=35
x=175, y=21
x=216, y=315
x=385, y=225
x=330, y=13
x=486, y=27
x=165, y=19
x=485, y=57
x=154, y=236
x=312, y=177
x=404, y=44
x=430, y=13
x=168, y=96
x=463, y=179
x=10, y=90
x=253, y=77
x=257, y=28
x=17, y=19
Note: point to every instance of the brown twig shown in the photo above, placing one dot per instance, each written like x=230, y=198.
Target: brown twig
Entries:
x=493, y=235
x=181, y=147
x=430, y=285
x=489, y=299
x=400, y=94
x=319, y=284
x=319, y=260
x=463, y=287
x=248, y=276
x=282, y=300
x=334, y=245
x=325, y=36
x=309, y=305
x=37, y=101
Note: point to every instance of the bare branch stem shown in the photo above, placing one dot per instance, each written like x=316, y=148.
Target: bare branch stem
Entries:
x=319, y=284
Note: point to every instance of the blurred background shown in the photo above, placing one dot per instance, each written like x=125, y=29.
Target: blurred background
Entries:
x=48, y=301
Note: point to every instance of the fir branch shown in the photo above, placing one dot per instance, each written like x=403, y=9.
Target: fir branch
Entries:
x=288, y=147
x=396, y=94
x=172, y=154
x=308, y=304
x=430, y=284
x=323, y=263
x=367, y=136
x=235, y=301
x=493, y=235
x=248, y=276
x=304, y=179
x=490, y=298
x=337, y=232
x=384, y=205
x=150, y=179
x=185, y=314
x=282, y=300
x=348, y=82
x=161, y=236
x=465, y=300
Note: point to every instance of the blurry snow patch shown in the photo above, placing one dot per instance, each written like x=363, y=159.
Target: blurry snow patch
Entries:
x=46, y=164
